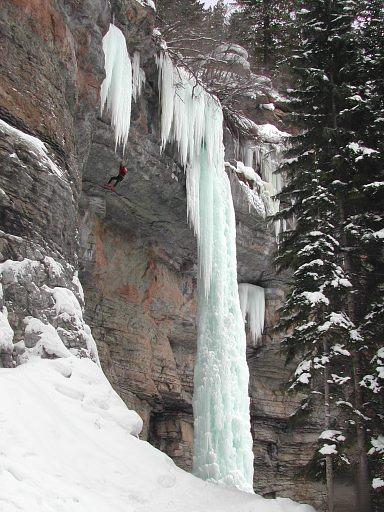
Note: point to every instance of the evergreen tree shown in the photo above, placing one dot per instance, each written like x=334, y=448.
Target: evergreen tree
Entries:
x=266, y=30
x=191, y=30
x=334, y=169
x=364, y=223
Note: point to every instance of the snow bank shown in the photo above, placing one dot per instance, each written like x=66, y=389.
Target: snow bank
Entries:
x=67, y=444
x=116, y=89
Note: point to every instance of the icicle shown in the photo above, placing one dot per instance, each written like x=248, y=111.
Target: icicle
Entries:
x=268, y=158
x=252, y=303
x=116, y=89
x=138, y=76
x=248, y=154
x=193, y=120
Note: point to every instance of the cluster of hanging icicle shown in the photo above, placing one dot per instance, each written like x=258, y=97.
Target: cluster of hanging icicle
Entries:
x=252, y=303
x=266, y=158
x=122, y=81
x=193, y=120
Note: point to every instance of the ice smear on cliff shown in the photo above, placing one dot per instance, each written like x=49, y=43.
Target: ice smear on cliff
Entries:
x=138, y=76
x=193, y=120
x=252, y=303
x=68, y=443
x=116, y=89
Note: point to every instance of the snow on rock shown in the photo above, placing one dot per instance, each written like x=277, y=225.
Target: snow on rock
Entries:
x=328, y=449
x=55, y=269
x=76, y=282
x=377, y=483
x=35, y=146
x=6, y=331
x=116, y=89
x=252, y=303
x=270, y=133
x=68, y=444
x=48, y=339
x=12, y=270
x=332, y=435
x=248, y=172
x=147, y=3
x=69, y=310
x=66, y=303
x=52, y=314
x=268, y=106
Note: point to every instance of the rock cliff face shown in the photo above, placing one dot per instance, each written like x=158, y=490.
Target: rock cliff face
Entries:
x=134, y=250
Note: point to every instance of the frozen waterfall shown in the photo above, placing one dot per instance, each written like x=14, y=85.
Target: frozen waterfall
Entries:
x=116, y=89
x=252, y=303
x=192, y=119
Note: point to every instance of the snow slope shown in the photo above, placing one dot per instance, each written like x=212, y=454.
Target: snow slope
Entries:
x=66, y=445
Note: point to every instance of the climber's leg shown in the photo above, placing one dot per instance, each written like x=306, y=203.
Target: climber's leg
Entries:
x=114, y=178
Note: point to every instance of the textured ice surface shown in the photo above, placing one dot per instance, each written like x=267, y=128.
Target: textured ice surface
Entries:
x=223, y=443
x=116, y=89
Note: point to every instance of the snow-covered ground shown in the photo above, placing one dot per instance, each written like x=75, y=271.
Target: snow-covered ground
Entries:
x=67, y=444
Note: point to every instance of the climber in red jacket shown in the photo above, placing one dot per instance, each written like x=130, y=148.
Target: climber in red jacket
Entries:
x=122, y=172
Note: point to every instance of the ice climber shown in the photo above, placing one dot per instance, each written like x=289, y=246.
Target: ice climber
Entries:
x=123, y=170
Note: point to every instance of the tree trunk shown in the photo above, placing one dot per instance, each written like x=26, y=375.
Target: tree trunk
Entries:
x=327, y=414
x=362, y=473
x=267, y=39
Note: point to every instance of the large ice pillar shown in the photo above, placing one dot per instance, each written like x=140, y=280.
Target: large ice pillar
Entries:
x=193, y=119
x=116, y=89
